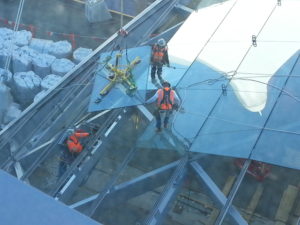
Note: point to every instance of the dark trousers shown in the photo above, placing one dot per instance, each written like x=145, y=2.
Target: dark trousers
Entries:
x=156, y=69
x=66, y=160
x=162, y=114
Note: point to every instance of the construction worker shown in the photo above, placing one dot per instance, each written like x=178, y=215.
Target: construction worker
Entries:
x=74, y=147
x=159, y=57
x=73, y=143
x=166, y=100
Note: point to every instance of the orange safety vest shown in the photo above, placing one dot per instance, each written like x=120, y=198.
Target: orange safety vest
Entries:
x=73, y=143
x=158, y=53
x=165, y=98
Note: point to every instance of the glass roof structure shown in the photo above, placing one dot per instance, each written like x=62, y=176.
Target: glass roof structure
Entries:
x=119, y=95
x=230, y=155
x=232, y=87
x=244, y=89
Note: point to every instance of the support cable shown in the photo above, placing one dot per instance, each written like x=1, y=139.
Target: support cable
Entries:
x=232, y=76
x=16, y=27
x=246, y=165
x=188, y=68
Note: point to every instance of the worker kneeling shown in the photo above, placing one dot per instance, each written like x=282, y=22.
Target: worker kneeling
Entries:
x=73, y=142
x=166, y=99
x=74, y=149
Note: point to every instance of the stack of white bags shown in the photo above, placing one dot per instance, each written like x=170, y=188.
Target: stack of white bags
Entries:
x=36, y=65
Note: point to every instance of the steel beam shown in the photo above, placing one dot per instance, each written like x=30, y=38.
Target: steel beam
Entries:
x=232, y=193
x=163, y=204
x=58, y=113
x=43, y=113
x=85, y=162
x=118, y=193
x=34, y=150
x=37, y=160
x=145, y=112
x=186, y=11
x=167, y=34
x=217, y=194
x=152, y=17
x=97, y=202
x=135, y=187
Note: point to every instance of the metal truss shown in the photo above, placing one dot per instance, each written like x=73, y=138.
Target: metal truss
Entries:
x=171, y=175
x=35, y=134
x=55, y=111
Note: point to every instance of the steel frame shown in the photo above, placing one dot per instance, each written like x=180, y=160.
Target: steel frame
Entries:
x=165, y=200
x=32, y=128
x=217, y=194
x=25, y=132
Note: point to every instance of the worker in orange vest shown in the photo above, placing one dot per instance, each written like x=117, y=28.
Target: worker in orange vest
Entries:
x=166, y=100
x=74, y=148
x=73, y=143
x=159, y=57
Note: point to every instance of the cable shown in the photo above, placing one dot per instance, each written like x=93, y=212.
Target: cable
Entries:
x=273, y=86
x=16, y=27
x=194, y=60
x=212, y=81
x=232, y=76
x=259, y=41
x=241, y=124
x=206, y=43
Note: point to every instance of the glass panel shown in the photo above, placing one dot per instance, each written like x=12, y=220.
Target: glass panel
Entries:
x=185, y=46
x=282, y=150
x=222, y=170
x=225, y=38
x=226, y=127
x=194, y=204
x=46, y=175
x=268, y=195
x=282, y=124
x=5, y=153
x=121, y=80
x=213, y=118
x=203, y=194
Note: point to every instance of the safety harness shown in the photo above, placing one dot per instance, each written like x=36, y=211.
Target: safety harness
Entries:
x=158, y=53
x=166, y=101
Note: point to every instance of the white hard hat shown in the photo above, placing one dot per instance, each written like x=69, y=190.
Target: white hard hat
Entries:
x=161, y=42
x=70, y=131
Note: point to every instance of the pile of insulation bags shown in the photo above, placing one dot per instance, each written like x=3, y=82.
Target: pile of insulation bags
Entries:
x=36, y=66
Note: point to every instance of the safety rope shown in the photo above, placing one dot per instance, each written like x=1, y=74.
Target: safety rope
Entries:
x=16, y=27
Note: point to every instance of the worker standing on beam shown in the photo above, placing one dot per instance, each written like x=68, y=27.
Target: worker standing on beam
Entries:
x=159, y=57
x=74, y=149
x=167, y=100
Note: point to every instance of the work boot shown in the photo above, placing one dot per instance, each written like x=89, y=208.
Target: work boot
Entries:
x=158, y=130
